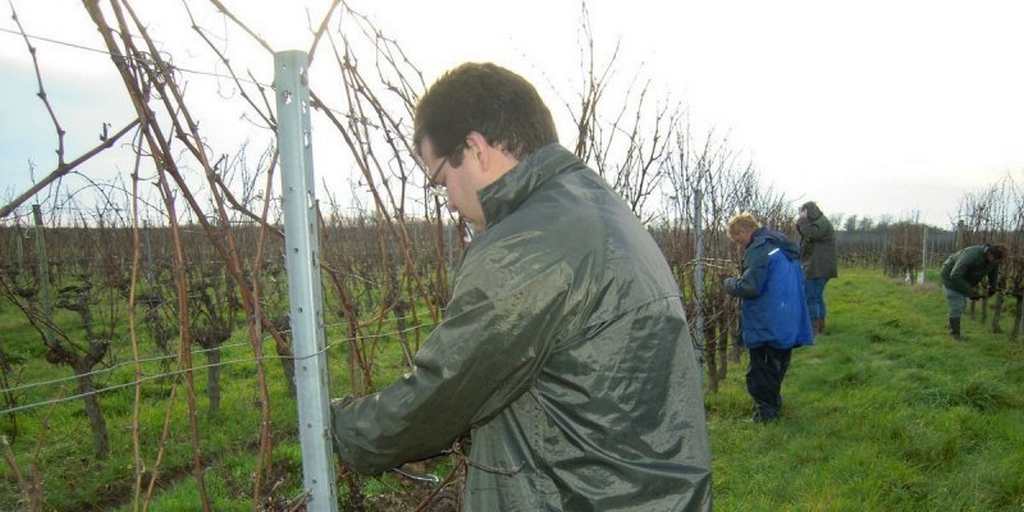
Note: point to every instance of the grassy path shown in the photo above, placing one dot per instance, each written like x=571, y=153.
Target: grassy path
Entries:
x=885, y=412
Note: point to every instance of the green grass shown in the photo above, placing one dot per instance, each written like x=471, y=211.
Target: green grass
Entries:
x=76, y=480
x=885, y=412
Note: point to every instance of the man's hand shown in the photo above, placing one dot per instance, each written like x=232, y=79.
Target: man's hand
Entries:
x=343, y=401
x=729, y=284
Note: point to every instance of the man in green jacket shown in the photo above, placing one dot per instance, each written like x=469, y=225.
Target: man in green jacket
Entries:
x=962, y=272
x=564, y=353
x=818, y=255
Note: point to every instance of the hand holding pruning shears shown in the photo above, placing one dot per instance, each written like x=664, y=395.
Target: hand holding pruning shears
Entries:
x=403, y=470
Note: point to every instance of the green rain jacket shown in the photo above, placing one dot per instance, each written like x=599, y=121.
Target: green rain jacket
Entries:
x=817, y=245
x=966, y=268
x=564, y=353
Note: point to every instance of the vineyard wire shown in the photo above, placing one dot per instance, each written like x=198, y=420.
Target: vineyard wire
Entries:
x=202, y=367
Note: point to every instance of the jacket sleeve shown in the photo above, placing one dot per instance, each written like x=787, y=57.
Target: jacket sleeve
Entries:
x=958, y=276
x=478, y=360
x=815, y=230
x=751, y=283
x=993, y=277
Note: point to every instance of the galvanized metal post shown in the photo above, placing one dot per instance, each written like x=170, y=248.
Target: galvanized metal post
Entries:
x=885, y=249
x=698, y=266
x=148, y=248
x=19, y=250
x=44, y=271
x=924, y=253
x=302, y=248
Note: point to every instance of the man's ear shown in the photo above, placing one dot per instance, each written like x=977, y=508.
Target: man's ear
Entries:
x=479, y=148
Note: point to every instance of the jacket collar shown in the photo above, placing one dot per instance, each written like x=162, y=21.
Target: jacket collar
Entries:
x=778, y=239
x=504, y=196
x=756, y=238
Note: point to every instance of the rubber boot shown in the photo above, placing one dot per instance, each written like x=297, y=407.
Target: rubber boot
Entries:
x=954, y=329
x=816, y=324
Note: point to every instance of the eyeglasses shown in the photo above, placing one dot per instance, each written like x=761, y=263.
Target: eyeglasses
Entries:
x=433, y=187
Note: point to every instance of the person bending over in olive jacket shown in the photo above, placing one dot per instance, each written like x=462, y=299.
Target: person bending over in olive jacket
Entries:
x=961, y=274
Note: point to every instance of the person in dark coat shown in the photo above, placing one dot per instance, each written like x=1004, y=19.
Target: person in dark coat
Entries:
x=564, y=352
x=818, y=255
x=961, y=274
x=774, y=316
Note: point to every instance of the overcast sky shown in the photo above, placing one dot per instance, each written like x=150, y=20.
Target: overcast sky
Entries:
x=868, y=107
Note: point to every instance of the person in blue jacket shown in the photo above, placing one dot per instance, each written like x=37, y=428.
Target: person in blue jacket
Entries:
x=774, y=312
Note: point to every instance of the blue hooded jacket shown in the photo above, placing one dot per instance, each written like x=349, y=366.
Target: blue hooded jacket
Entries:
x=774, y=310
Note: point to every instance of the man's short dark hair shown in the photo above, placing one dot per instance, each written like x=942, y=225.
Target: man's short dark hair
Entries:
x=997, y=251
x=499, y=104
